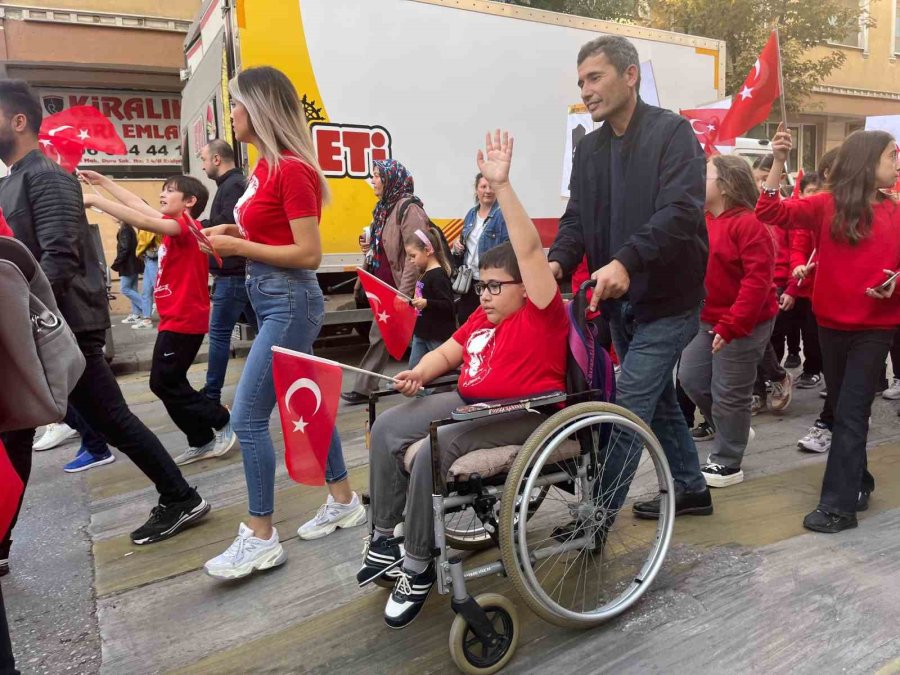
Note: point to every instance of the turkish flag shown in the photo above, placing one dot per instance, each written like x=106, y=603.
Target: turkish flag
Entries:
x=64, y=151
x=11, y=489
x=395, y=317
x=706, y=123
x=86, y=125
x=796, y=193
x=752, y=103
x=5, y=229
x=308, y=391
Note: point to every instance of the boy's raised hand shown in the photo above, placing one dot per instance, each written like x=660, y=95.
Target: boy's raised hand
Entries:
x=91, y=177
x=495, y=160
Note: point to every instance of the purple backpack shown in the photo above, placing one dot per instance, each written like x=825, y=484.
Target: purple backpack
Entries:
x=589, y=366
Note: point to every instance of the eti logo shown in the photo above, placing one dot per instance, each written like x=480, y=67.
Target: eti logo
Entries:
x=349, y=149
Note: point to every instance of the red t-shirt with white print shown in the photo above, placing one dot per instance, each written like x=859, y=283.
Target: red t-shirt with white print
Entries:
x=523, y=355
x=182, y=284
x=273, y=199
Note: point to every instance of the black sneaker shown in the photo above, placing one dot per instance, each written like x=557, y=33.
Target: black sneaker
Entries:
x=823, y=393
x=862, y=502
x=410, y=592
x=719, y=476
x=686, y=504
x=808, y=381
x=792, y=361
x=381, y=562
x=829, y=523
x=167, y=520
x=354, y=398
x=703, y=432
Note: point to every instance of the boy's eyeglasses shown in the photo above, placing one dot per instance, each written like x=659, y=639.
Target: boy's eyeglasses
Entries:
x=493, y=287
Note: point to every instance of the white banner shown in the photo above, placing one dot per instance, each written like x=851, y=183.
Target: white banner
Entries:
x=148, y=123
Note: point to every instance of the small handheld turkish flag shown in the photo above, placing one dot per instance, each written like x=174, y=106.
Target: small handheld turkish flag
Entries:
x=754, y=99
x=308, y=391
x=396, y=318
x=705, y=123
x=796, y=193
x=9, y=494
x=64, y=151
x=87, y=126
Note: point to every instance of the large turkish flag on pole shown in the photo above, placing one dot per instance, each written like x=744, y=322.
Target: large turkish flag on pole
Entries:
x=308, y=390
x=753, y=101
x=395, y=317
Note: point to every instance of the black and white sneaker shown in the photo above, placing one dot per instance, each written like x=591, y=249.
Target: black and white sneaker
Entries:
x=409, y=594
x=720, y=476
x=381, y=562
x=703, y=432
x=167, y=520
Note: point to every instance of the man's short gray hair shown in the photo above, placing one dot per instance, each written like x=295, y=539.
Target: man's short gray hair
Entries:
x=620, y=52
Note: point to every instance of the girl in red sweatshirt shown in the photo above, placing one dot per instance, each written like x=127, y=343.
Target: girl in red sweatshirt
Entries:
x=718, y=367
x=857, y=229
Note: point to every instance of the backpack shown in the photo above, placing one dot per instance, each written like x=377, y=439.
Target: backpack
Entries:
x=589, y=366
x=445, y=246
x=38, y=350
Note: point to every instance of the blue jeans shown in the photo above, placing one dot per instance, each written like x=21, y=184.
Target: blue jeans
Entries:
x=91, y=441
x=129, y=290
x=229, y=301
x=419, y=348
x=648, y=353
x=290, y=310
x=151, y=269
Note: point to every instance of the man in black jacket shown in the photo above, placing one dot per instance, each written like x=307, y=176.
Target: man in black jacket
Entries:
x=44, y=207
x=230, y=298
x=636, y=210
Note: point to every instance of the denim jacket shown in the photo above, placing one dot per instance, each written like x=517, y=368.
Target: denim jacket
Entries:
x=494, y=232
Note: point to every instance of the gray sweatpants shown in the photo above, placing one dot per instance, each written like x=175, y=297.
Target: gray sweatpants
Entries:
x=391, y=489
x=722, y=385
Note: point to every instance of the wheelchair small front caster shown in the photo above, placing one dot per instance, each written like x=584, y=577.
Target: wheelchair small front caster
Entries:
x=472, y=655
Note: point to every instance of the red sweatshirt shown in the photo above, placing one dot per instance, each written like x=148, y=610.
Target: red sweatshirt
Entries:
x=783, y=269
x=803, y=243
x=845, y=271
x=739, y=274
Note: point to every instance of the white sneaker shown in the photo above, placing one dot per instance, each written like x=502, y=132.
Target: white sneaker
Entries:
x=332, y=515
x=246, y=553
x=192, y=455
x=143, y=324
x=224, y=441
x=892, y=393
x=132, y=318
x=54, y=435
x=817, y=439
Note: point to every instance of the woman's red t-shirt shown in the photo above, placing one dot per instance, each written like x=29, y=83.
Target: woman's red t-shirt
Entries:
x=273, y=199
x=182, y=284
x=523, y=355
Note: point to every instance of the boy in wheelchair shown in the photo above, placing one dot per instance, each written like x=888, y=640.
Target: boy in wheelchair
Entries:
x=512, y=346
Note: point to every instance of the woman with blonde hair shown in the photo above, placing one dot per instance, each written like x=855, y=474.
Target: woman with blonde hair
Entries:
x=277, y=230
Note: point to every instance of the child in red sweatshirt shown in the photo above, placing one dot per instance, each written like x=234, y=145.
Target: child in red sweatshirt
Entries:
x=858, y=247
x=718, y=367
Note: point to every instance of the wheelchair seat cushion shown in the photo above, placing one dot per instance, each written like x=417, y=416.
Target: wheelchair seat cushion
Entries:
x=489, y=461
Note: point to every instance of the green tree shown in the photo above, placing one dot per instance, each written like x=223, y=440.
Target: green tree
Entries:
x=608, y=10
x=744, y=25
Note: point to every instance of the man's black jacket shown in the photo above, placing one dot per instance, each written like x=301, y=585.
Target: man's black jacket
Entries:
x=44, y=207
x=230, y=187
x=666, y=244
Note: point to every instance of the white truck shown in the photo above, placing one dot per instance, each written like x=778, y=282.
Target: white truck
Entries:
x=422, y=81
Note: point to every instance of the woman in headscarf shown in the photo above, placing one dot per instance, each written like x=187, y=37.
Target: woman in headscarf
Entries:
x=397, y=215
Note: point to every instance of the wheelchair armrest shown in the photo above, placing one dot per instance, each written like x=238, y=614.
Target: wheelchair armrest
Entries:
x=489, y=408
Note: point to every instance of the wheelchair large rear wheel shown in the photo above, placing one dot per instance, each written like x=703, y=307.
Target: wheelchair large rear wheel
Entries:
x=584, y=558
x=464, y=530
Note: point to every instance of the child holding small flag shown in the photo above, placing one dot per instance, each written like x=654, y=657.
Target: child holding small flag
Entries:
x=433, y=296
x=858, y=250
x=182, y=300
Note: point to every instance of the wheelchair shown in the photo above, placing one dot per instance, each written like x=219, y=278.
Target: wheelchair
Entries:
x=558, y=509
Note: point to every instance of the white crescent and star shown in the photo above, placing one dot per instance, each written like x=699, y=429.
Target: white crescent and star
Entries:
x=298, y=384
x=377, y=309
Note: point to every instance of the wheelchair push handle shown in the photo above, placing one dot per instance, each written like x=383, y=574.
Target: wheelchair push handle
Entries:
x=582, y=297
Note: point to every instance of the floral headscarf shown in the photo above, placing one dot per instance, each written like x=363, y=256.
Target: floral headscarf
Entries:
x=398, y=185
